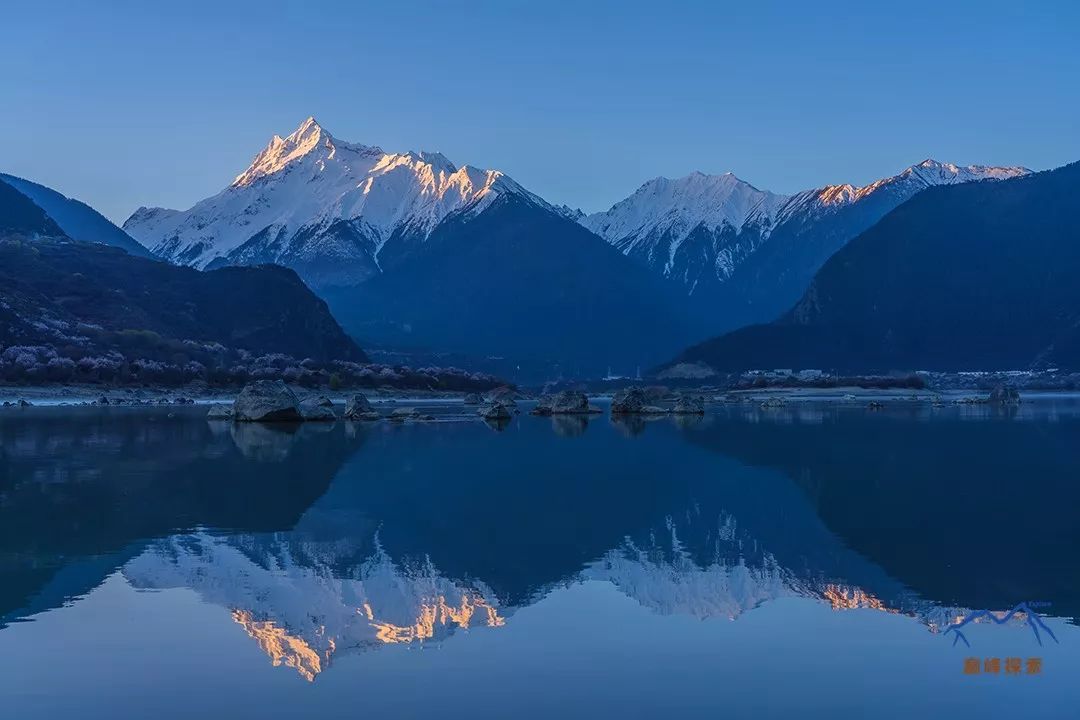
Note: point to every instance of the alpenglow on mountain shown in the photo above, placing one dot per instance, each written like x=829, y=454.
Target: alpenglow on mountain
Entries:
x=336, y=212
x=749, y=253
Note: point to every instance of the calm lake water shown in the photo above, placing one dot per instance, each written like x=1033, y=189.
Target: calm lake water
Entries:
x=805, y=561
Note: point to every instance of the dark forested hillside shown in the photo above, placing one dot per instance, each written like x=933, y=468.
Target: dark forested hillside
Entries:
x=69, y=309
x=973, y=276
x=520, y=281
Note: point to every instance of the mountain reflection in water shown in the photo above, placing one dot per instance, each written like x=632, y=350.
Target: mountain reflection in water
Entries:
x=328, y=539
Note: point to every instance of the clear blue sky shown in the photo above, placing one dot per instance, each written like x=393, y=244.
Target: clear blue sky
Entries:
x=130, y=103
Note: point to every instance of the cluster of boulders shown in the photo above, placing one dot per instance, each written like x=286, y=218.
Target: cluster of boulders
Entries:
x=22, y=402
x=496, y=405
x=567, y=402
x=274, y=401
x=634, y=401
x=105, y=400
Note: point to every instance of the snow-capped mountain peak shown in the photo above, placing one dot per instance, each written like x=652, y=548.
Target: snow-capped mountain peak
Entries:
x=681, y=205
x=933, y=172
x=322, y=205
x=308, y=137
x=701, y=228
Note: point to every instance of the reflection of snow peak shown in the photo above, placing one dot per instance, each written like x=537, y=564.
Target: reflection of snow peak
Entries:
x=303, y=601
x=665, y=578
x=283, y=648
x=301, y=615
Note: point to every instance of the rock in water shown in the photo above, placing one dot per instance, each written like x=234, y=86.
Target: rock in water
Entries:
x=267, y=401
x=219, y=412
x=314, y=410
x=358, y=408
x=689, y=405
x=472, y=399
x=1004, y=395
x=570, y=402
x=495, y=411
x=325, y=401
x=628, y=402
x=403, y=414
x=774, y=402
x=543, y=405
x=505, y=395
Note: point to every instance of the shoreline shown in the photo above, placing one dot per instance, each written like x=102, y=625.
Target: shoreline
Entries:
x=80, y=395
x=76, y=395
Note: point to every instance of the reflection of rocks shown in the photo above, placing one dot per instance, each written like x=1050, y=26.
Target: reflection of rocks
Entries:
x=265, y=443
x=569, y=425
x=497, y=424
x=495, y=411
x=689, y=405
x=1004, y=395
x=628, y=425
x=304, y=613
x=220, y=412
x=686, y=421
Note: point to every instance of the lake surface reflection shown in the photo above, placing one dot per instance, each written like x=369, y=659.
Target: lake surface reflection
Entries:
x=804, y=560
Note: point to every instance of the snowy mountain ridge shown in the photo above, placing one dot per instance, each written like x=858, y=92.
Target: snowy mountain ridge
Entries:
x=699, y=229
x=312, y=201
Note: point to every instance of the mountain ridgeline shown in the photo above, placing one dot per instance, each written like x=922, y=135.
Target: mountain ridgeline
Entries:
x=90, y=311
x=522, y=281
x=419, y=256
x=977, y=276
x=73, y=218
x=413, y=251
x=745, y=255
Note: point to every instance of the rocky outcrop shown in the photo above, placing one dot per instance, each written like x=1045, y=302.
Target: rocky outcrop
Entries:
x=571, y=402
x=315, y=411
x=629, y=401
x=1004, y=395
x=773, y=402
x=358, y=408
x=543, y=405
x=689, y=405
x=403, y=414
x=267, y=401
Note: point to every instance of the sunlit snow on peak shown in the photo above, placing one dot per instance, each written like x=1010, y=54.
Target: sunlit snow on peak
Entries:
x=311, y=179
